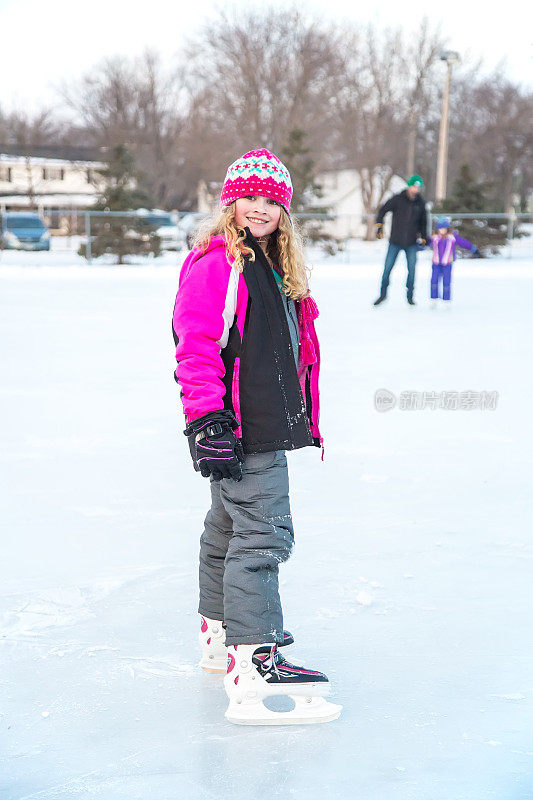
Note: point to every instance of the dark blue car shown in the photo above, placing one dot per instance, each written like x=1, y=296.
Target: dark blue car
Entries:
x=24, y=230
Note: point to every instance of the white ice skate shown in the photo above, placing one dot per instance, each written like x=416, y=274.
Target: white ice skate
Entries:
x=254, y=675
x=433, y=305
x=212, y=638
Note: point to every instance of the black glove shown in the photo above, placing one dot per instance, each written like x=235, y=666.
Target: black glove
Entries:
x=215, y=449
x=476, y=253
x=379, y=230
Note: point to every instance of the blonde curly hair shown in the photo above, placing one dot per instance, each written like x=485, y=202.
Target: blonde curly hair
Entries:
x=285, y=247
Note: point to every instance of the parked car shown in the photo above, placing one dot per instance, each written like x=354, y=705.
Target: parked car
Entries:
x=24, y=230
x=166, y=228
x=174, y=233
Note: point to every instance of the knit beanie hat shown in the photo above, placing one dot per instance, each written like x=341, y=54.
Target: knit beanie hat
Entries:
x=415, y=180
x=443, y=222
x=261, y=173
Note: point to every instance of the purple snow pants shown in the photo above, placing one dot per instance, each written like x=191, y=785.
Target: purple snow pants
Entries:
x=439, y=271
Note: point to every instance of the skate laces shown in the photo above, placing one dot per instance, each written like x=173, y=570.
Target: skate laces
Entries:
x=273, y=657
x=269, y=661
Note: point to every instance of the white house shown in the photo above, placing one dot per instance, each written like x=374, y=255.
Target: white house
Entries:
x=53, y=185
x=341, y=196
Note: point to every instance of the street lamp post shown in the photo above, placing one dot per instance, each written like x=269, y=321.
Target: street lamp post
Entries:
x=451, y=58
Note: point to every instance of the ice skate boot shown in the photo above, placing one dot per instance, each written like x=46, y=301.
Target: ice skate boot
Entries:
x=212, y=638
x=253, y=675
x=288, y=639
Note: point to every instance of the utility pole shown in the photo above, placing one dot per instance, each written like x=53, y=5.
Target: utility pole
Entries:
x=451, y=58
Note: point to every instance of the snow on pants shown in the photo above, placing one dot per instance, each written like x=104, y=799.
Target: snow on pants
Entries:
x=441, y=272
x=247, y=534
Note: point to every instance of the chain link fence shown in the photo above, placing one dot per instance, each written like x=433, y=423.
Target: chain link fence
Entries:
x=338, y=236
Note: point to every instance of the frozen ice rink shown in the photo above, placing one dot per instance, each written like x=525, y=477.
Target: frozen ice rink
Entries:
x=410, y=584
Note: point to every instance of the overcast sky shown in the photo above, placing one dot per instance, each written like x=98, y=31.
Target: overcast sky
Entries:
x=44, y=43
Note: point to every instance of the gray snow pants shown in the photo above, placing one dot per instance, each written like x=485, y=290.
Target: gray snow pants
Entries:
x=247, y=533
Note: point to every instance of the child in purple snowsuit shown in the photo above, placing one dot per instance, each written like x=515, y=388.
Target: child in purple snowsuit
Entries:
x=444, y=241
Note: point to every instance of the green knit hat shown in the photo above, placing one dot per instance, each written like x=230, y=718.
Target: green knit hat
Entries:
x=415, y=180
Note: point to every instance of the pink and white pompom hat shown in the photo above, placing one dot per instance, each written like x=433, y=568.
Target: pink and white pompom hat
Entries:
x=261, y=173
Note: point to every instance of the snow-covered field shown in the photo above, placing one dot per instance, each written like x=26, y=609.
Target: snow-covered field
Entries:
x=410, y=585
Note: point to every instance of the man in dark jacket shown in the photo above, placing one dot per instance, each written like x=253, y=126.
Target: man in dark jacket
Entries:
x=409, y=226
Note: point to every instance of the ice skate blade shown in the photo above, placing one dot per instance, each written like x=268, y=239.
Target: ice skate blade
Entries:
x=213, y=666
x=306, y=711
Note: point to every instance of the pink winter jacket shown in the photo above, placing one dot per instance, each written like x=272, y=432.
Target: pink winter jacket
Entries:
x=213, y=297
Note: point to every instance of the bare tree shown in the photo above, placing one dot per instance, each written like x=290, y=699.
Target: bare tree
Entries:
x=25, y=131
x=371, y=116
x=253, y=83
x=366, y=98
x=420, y=62
x=492, y=131
x=505, y=144
x=163, y=103
x=142, y=103
x=105, y=101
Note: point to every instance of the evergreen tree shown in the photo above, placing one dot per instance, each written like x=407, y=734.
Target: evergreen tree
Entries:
x=121, y=236
x=469, y=196
x=306, y=192
x=295, y=155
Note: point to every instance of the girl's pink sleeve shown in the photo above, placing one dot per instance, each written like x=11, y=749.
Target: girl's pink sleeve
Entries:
x=203, y=314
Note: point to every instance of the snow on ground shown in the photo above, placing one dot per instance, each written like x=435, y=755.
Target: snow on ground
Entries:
x=410, y=584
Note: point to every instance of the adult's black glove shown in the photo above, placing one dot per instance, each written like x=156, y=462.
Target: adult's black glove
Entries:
x=379, y=230
x=215, y=449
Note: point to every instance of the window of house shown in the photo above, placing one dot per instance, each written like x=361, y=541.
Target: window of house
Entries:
x=54, y=173
x=5, y=174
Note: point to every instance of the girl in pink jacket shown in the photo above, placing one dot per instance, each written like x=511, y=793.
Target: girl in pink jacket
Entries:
x=247, y=363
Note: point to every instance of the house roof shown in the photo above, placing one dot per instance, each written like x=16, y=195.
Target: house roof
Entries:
x=59, y=152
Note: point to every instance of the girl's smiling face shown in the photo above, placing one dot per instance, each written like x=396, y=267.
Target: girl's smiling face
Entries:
x=260, y=214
